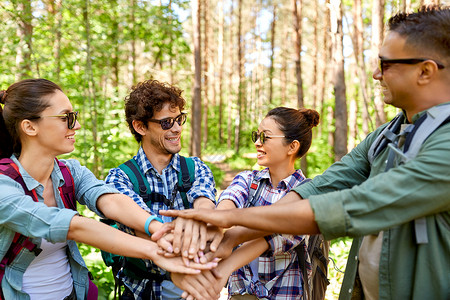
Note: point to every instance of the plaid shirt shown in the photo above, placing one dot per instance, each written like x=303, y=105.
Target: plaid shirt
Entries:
x=163, y=184
x=279, y=275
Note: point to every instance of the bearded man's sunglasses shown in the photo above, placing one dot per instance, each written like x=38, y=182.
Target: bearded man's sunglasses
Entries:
x=71, y=118
x=168, y=123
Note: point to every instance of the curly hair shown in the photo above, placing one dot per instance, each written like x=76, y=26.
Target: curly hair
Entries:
x=427, y=30
x=149, y=97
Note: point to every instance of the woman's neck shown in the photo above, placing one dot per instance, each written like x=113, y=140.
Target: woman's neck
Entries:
x=279, y=172
x=39, y=167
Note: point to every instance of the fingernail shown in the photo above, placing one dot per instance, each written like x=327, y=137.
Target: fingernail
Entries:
x=185, y=254
x=170, y=249
x=177, y=250
x=192, y=250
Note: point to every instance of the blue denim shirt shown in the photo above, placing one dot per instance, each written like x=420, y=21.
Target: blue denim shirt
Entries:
x=19, y=213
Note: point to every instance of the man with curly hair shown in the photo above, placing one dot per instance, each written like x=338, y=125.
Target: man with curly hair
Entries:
x=154, y=113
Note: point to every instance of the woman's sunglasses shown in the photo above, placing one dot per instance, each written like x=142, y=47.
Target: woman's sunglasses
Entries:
x=168, y=123
x=263, y=137
x=71, y=118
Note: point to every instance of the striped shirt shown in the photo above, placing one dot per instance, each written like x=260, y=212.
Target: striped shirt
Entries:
x=279, y=275
x=164, y=184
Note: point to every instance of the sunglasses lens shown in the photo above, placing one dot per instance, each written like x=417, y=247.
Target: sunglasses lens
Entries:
x=262, y=137
x=181, y=119
x=254, y=136
x=71, y=119
x=167, y=124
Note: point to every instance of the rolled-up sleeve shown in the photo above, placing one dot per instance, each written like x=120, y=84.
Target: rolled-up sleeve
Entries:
x=19, y=213
x=204, y=185
x=238, y=190
x=87, y=187
x=412, y=190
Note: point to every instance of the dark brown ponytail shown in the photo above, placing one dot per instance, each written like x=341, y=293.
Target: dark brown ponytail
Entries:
x=22, y=100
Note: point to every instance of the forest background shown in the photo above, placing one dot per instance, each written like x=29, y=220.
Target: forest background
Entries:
x=234, y=59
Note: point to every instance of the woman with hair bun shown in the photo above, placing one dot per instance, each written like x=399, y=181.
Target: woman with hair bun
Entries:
x=283, y=136
x=38, y=123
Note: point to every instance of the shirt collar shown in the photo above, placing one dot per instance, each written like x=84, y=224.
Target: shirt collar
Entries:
x=32, y=183
x=287, y=182
x=419, y=114
x=146, y=165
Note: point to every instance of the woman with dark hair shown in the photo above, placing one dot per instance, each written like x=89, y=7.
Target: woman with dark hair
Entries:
x=37, y=123
x=269, y=266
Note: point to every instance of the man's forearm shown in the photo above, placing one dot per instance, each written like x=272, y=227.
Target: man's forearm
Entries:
x=285, y=216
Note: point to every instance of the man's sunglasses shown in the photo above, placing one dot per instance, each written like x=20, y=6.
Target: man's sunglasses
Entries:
x=263, y=137
x=71, y=118
x=167, y=123
x=384, y=63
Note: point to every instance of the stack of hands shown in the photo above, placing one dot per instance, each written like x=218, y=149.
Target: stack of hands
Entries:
x=201, y=246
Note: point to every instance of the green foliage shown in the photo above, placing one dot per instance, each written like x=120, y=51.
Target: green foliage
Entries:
x=239, y=162
x=339, y=253
x=103, y=277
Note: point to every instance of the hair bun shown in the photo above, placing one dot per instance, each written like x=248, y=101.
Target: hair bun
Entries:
x=2, y=96
x=311, y=115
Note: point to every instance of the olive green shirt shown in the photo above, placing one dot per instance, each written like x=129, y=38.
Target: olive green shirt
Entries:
x=354, y=198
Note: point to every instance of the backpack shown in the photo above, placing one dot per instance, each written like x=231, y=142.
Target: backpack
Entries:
x=134, y=267
x=316, y=248
x=67, y=192
x=414, y=135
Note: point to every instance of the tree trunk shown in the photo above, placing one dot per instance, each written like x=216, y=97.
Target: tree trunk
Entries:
x=315, y=52
x=340, y=134
x=237, y=136
x=283, y=73
x=377, y=40
x=272, y=51
x=25, y=34
x=220, y=54
x=196, y=130
x=297, y=13
x=358, y=50
x=91, y=90
x=205, y=107
x=133, y=43
x=55, y=9
x=230, y=78
x=326, y=55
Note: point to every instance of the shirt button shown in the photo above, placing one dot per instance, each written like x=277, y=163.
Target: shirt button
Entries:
x=350, y=291
x=356, y=258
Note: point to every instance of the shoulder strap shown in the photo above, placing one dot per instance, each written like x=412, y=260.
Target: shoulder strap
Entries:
x=185, y=178
x=433, y=119
x=387, y=135
x=140, y=183
x=254, y=192
x=9, y=168
x=67, y=191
